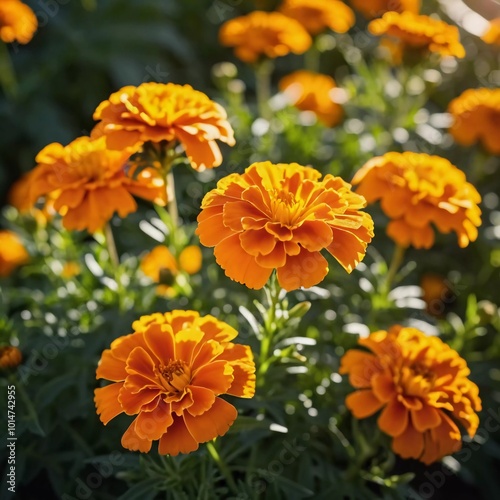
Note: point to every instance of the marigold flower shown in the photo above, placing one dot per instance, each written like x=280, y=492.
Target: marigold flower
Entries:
x=436, y=293
x=70, y=270
x=19, y=194
x=311, y=91
x=89, y=183
x=476, y=118
x=190, y=259
x=17, y=22
x=376, y=8
x=318, y=15
x=12, y=253
x=422, y=386
x=264, y=34
x=171, y=373
x=165, y=112
x=19, y=197
x=416, y=190
x=421, y=33
x=10, y=357
x=492, y=34
x=281, y=217
x=160, y=265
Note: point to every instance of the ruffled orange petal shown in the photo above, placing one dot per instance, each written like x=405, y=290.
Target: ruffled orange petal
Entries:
x=214, y=422
x=239, y=265
x=216, y=376
x=106, y=400
x=151, y=425
x=133, y=442
x=409, y=444
x=177, y=439
x=203, y=400
x=394, y=418
x=110, y=367
x=160, y=339
x=361, y=367
x=363, y=403
x=426, y=418
x=304, y=270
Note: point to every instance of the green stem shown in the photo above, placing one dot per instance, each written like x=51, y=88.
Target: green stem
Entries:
x=222, y=466
x=312, y=59
x=7, y=74
x=172, y=200
x=269, y=328
x=263, y=73
x=397, y=260
x=111, y=246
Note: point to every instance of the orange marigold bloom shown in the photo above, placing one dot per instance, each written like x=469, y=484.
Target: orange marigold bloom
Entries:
x=492, y=35
x=17, y=22
x=12, y=253
x=264, y=34
x=318, y=15
x=160, y=265
x=165, y=112
x=476, y=118
x=416, y=190
x=311, y=91
x=190, y=259
x=19, y=193
x=376, y=8
x=89, y=183
x=281, y=217
x=171, y=373
x=70, y=270
x=422, y=386
x=19, y=196
x=436, y=293
x=10, y=357
x=422, y=33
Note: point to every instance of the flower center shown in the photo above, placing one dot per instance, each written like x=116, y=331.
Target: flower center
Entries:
x=285, y=208
x=423, y=371
x=174, y=376
x=91, y=166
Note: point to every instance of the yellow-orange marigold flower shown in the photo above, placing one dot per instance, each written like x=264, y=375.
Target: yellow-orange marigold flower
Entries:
x=17, y=22
x=281, y=217
x=171, y=373
x=70, y=269
x=377, y=8
x=436, y=293
x=12, y=253
x=19, y=196
x=422, y=33
x=264, y=34
x=309, y=91
x=190, y=259
x=10, y=357
x=476, y=118
x=417, y=190
x=318, y=15
x=165, y=112
x=160, y=265
x=422, y=386
x=19, y=193
x=492, y=34
x=89, y=183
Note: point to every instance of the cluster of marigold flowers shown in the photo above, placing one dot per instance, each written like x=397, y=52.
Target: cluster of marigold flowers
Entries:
x=171, y=372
